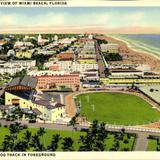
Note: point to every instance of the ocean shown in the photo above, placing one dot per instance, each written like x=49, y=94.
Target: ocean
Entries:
x=149, y=43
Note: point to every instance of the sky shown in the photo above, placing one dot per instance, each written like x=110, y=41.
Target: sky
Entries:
x=112, y=17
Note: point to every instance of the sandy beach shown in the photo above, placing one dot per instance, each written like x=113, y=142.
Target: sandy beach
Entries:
x=131, y=56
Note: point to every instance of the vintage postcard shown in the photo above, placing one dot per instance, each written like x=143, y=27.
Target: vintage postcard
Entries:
x=80, y=79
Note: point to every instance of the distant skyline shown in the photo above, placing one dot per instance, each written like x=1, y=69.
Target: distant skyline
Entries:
x=103, y=17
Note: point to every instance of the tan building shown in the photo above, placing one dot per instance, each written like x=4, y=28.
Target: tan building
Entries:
x=21, y=92
x=24, y=54
x=48, y=82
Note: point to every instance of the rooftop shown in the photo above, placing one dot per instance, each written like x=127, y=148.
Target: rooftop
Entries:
x=47, y=104
x=36, y=111
x=28, y=95
x=124, y=70
x=25, y=81
x=152, y=91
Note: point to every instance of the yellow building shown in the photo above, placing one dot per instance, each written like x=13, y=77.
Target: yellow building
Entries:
x=129, y=81
x=20, y=92
x=22, y=54
x=87, y=60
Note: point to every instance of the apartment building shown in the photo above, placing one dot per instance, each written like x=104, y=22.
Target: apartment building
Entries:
x=110, y=48
x=21, y=63
x=47, y=82
x=72, y=66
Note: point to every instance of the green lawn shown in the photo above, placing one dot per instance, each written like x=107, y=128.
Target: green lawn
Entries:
x=74, y=135
x=1, y=83
x=117, y=108
x=47, y=137
x=152, y=145
x=111, y=140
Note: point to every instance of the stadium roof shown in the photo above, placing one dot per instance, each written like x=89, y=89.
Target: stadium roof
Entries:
x=25, y=81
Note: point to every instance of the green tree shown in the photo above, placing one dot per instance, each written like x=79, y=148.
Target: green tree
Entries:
x=54, y=143
x=95, y=138
x=41, y=132
x=67, y=144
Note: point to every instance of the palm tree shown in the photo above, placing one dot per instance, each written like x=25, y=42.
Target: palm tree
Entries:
x=67, y=144
x=54, y=143
x=73, y=122
x=27, y=136
x=21, y=146
x=6, y=143
x=41, y=132
x=86, y=143
x=9, y=142
x=15, y=128
x=95, y=138
x=35, y=140
x=36, y=143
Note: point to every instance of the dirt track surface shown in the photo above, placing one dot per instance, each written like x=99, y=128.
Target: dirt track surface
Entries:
x=70, y=105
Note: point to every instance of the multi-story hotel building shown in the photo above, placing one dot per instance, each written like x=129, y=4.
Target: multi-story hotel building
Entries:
x=83, y=65
x=47, y=82
x=110, y=48
x=14, y=66
x=21, y=63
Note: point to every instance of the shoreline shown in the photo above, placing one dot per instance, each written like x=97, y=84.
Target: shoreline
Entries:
x=132, y=48
x=133, y=56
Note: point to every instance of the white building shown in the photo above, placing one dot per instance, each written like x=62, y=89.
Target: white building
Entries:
x=56, y=38
x=67, y=41
x=81, y=56
x=45, y=52
x=72, y=66
x=81, y=67
x=40, y=38
x=21, y=63
x=20, y=44
x=90, y=36
x=46, y=73
x=90, y=75
x=10, y=70
x=41, y=41
x=14, y=66
x=110, y=48
x=11, y=52
x=88, y=49
x=125, y=73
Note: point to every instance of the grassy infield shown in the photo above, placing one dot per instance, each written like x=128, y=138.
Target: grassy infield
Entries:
x=117, y=108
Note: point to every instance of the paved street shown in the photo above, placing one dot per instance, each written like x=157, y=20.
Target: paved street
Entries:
x=101, y=64
x=142, y=142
